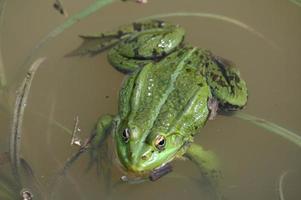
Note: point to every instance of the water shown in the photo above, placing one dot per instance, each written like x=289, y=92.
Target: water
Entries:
x=252, y=158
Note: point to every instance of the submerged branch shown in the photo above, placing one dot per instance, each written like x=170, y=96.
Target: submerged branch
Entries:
x=272, y=127
x=20, y=104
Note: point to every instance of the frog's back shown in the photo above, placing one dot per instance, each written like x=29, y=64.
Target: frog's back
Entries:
x=167, y=97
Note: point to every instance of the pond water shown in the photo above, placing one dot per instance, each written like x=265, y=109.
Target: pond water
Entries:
x=261, y=37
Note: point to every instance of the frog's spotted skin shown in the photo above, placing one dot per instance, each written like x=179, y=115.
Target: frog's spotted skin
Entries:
x=164, y=100
x=167, y=94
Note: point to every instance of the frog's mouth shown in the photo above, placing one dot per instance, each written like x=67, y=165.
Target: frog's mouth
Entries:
x=153, y=175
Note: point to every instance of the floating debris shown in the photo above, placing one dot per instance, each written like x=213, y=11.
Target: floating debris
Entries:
x=26, y=195
x=138, y=1
x=58, y=5
x=159, y=172
x=141, y=1
x=75, y=140
x=136, y=180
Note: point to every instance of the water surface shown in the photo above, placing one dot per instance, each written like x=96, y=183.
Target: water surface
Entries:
x=252, y=158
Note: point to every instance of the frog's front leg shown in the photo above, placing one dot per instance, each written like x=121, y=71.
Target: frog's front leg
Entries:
x=100, y=133
x=206, y=161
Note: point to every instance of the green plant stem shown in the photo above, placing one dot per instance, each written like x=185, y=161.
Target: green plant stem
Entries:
x=270, y=126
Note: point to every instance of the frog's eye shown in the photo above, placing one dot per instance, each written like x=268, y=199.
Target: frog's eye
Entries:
x=126, y=135
x=160, y=142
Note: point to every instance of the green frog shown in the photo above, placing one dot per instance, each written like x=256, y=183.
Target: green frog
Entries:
x=171, y=90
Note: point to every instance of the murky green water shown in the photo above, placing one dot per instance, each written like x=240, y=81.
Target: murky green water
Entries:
x=267, y=53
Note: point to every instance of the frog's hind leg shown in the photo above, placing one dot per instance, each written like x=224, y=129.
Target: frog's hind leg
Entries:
x=226, y=84
x=124, y=64
x=153, y=43
x=97, y=43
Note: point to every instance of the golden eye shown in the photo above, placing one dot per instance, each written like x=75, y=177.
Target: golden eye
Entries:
x=160, y=142
x=126, y=135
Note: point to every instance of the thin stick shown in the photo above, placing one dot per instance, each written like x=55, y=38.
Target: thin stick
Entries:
x=75, y=140
x=20, y=104
x=68, y=164
x=280, y=185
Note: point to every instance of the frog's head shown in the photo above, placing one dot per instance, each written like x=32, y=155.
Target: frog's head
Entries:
x=142, y=152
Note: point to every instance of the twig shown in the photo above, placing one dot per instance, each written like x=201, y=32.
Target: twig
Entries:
x=75, y=140
x=280, y=185
x=20, y=104
x=81, y=150
x=69, y=162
